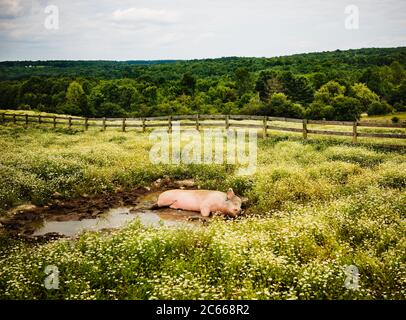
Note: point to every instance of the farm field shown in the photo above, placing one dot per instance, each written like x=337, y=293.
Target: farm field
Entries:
x=314, y=208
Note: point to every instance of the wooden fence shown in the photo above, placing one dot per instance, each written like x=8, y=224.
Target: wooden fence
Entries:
x=198, y=121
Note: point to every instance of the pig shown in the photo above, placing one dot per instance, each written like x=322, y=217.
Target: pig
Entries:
x=203, y=201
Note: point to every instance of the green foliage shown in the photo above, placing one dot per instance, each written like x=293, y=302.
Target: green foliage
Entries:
x=319, y=111
x=346, y=108
x=109, y=109
x=227, y=85
x=244, y=81
x=280, y=106
x=395, y=120
x=379, y=108
x=188, y=84
x=75, y=96
x=365, y=96
x=331, y=103
x=328, y=92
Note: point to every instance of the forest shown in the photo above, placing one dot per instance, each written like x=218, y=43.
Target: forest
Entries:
x=338, y=85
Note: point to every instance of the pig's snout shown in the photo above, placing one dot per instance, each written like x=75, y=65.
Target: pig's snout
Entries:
x=234, y=212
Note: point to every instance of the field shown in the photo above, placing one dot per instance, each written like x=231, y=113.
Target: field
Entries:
x=386, y=118
x=315, y=207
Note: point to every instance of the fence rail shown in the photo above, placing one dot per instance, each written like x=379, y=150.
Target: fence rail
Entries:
x=198, y=121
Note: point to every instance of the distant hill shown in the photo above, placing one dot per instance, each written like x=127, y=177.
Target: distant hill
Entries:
x=168, y=69
x=337, y=85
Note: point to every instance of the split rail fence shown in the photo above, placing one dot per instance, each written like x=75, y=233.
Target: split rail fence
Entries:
x=263, y=123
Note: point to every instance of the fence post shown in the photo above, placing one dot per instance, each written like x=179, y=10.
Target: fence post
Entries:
x=265, y=124
x=197, y=122
x=104, y=124
x=39, y=119
x=354, y=132
x=143, y=124
x=26, y=120
x=227, y=122
x=123, y=124
x=86, y=124
x=305, y=129
x=3, y=118
x=14, y=118
x=169, y=124
x=54, y=123
x=70, y=122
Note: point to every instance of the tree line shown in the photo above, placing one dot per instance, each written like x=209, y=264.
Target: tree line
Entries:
x=339, y=85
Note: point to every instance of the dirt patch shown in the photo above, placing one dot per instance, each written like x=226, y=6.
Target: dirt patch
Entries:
x=23, y=221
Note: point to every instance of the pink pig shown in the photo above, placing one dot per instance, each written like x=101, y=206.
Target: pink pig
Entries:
x=204, y=201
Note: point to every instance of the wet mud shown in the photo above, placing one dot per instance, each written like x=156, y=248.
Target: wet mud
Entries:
x=69, y=218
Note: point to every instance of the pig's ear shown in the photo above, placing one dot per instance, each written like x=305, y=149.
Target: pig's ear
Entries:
x=230, y=194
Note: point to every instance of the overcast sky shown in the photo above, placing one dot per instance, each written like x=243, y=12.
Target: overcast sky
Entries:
x=188, y=29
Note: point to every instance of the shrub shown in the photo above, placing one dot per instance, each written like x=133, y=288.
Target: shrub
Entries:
x=379, y=108
x=395, y=120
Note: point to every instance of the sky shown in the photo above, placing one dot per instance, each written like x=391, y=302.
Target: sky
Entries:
x=194, y=29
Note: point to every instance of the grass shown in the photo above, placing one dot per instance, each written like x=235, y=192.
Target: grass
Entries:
x=386, y=118
x=315, y=207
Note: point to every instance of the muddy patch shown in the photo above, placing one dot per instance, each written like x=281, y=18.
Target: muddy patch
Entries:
x=114, y=219
x=112, y=211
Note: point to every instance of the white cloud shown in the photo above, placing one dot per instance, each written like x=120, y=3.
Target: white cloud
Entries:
x=12, y=8
x=176, y=29
x=203, y=37
x=145, y=15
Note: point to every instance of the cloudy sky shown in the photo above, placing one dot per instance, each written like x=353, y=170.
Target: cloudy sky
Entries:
x=187, y=29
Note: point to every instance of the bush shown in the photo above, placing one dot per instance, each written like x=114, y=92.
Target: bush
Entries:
x=346, y=108
x=69, y=108
x=379, y=108
x=319, y=111
x=395, y=120
x=112, y=110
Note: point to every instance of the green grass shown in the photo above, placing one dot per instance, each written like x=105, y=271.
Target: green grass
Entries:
x=385, y=118
x=315, y=207
x=33, y=113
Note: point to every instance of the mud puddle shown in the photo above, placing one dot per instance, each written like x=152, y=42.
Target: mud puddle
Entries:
x=114, y=219
x=114, y=211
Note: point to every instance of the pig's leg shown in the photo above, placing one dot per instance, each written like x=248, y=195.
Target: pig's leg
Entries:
x=205, y=211
x=173, y=205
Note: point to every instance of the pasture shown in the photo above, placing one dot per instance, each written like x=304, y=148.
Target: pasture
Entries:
x=315, y=207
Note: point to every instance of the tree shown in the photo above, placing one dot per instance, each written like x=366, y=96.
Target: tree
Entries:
x=328, y=92
x=151, y=95
x=297, y=88
x=230, y=108
x=255, y=107
x=267, y=84
x=76, y=96
x=398, y=98
x=8, y=95
x=319, y=111
x=346, y=108
x=398, y=73
x=243, y=81
x=188, y=84
x=365, y=95
x=69, y=108
x=378, y=80
x=279, y=105
x=109, y=109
